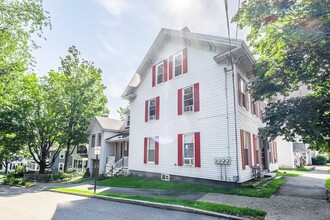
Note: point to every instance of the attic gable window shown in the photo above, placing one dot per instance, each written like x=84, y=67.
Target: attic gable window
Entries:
x=93, y=141
x=160, y=73
x=178, y=64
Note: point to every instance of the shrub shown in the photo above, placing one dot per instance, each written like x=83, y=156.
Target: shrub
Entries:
x=321, y=160
x=86, y=174
x=19, y=171
x=47, y=177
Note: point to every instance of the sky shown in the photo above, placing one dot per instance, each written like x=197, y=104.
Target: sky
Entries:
x=116, y=34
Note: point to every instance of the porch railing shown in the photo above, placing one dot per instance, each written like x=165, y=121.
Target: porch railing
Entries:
x=125, y=164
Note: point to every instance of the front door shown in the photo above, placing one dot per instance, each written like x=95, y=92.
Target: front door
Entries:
x=95, y=167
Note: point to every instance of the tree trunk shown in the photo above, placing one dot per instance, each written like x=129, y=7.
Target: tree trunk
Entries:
x=42, y=163
x=6, y=166
x=67, y=154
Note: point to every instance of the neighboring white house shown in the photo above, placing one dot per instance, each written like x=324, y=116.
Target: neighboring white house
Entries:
x=293, y=154
x=188, y=120
x=112, y=137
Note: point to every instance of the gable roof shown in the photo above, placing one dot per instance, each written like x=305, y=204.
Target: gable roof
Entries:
x=215, y=43
x=107, y=124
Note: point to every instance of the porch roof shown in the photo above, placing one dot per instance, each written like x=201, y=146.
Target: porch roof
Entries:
x=118, y=138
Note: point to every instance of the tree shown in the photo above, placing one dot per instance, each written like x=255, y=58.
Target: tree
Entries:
x=78, y=93
x=122, y=112
x=19, y=20
x=292, y=41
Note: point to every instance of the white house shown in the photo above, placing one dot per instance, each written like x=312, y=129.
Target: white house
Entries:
x=191, y=115
x=111, y=136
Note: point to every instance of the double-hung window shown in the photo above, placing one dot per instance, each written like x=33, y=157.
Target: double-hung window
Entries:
x=160, y=73
x=246, y=148
x=188, y=149
x=151, y=150
x=243, y=93
x=99, y=139
x=188, y=99
x=178, y=64
x=152, y=109
x=257, y=142
x=93, y=141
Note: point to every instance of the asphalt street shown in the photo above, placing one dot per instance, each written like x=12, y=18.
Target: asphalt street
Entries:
x=45, y=205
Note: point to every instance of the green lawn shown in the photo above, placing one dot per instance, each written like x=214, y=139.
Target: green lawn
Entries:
x=142, y=183
x=328, y=170
x=296, y=169
x=219, y=208
x=327, y=183
x=287, y=174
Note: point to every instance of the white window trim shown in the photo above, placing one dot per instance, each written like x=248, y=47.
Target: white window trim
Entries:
x=59, y=165
x=174, y=64
x=157, y=65
x=151, y=162
x=149, y=105
x=193, y=105
x=183, y=142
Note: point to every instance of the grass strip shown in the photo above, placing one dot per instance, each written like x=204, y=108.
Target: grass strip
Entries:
x=288, y=174
x=297, y=169
x=219, y=208
x=143, y=183
x=328, y=170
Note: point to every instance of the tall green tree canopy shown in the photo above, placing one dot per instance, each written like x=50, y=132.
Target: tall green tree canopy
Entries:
x=78, y=94
x=20, y=20
x=292, y=41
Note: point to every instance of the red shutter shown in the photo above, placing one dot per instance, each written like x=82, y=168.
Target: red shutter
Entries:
x=242, y=149
x=170, y=71
x=156, y=150
x=250, y=150
x=197, y=149
x=196, y=97
x=157, y=107
x=153, y=75
x=146, y=111
x=185, y=61
x=180, y=102
x=239, y=90
x=254, y=149
x=165, y=70
x=145, y=150
x=180, y=146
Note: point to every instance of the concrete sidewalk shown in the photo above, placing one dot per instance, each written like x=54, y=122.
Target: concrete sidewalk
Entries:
x=302, y=197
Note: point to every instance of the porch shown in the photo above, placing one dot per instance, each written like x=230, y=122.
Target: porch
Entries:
x=117, y=162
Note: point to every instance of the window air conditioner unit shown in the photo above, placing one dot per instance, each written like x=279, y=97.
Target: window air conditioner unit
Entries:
x=165, y=177
x=188, y=161
x=152, y=117
x=189, y=108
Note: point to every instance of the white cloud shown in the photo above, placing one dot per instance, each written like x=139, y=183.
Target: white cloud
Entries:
x=107, y=45
x=115, y=7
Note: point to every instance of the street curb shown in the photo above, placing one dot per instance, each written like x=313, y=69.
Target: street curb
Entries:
x=155, y=205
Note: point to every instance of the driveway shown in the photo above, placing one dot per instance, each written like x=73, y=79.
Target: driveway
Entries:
x=302, y=198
